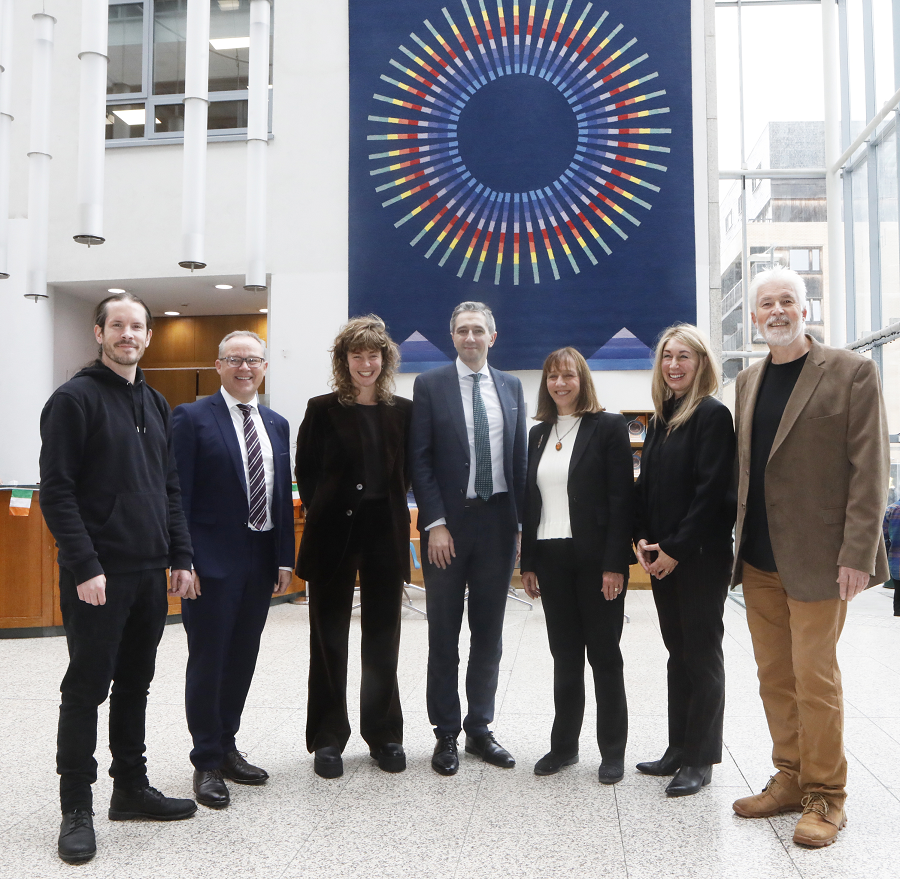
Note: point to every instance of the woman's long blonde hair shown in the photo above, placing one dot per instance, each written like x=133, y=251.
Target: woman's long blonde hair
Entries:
x=706, y=381
x=364, y=334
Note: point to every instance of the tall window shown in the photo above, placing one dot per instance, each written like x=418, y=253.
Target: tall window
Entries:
x=145, y=81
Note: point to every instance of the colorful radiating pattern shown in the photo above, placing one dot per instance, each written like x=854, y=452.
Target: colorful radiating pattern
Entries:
x=565, y=226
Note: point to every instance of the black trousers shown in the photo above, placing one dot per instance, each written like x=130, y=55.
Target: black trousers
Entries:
x=690, y=603
x=224, y=626
x=114, y=643
x=579, y=619
x=371, y=553
x=485, y=546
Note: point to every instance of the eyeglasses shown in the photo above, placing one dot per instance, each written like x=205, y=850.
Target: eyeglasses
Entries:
x=252, y=362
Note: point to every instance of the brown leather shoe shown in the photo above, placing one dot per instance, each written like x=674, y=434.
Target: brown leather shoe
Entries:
x=781, y=794
x=821, y=821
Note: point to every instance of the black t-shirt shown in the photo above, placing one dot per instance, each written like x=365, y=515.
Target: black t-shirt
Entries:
x=373, y=452
x=774, y=392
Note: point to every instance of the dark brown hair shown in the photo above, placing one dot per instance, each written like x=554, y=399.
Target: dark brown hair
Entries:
x=100, y=312
x=364, y=334
x=587, y=395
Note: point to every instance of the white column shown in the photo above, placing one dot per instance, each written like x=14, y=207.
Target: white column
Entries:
x=39, y=156
x=196, y=111
x=6, y=118
x=257, y=145
x=92, y=123
x=837, y=291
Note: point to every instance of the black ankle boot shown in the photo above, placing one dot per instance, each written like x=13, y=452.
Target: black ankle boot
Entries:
x=688, y=780
x=668, y=764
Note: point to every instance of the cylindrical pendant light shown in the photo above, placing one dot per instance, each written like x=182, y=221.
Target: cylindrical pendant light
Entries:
x=257, y=145
x=92, y=124
x=6, y=118
x=196, y=111
x=39, y=156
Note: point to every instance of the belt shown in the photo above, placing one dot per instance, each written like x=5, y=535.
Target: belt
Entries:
x=472, y=502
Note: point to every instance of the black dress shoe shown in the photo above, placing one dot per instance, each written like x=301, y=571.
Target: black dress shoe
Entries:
x=77, y=842
x=210, y=790
x=668, y=764
x=445, y=759
x=611, y=771
x=551, y=763
x=328, y=762
x=390, y=756
x=236, y=768
x=688, y=780
x=128, y=804
x=490, y=751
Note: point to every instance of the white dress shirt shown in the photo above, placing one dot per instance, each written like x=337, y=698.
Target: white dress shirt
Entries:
x=237, y=417
x=553, y=479
x=494, y=410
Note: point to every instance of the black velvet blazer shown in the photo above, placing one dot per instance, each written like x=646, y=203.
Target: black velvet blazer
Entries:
x=330, y=471
x=686, y=495
x=600, y=488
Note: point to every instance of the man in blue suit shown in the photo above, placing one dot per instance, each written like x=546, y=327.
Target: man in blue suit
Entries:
x=469, y=461
x=233, y=460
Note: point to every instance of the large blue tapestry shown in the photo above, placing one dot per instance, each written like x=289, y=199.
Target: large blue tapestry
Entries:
x=537, y=157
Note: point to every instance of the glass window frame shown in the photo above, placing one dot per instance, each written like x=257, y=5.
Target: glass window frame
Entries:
x=151, y=101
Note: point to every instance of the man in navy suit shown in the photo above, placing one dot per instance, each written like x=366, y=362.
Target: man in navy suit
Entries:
x=469, y=461
x=233, y=460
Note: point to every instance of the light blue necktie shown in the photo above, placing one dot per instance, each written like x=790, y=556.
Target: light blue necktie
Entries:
x=484, y=477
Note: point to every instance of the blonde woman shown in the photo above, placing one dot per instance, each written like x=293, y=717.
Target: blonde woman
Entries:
x=353, y=478
x=686, y=511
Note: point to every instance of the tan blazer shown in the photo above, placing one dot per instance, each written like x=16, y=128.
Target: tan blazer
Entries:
x=827, y=475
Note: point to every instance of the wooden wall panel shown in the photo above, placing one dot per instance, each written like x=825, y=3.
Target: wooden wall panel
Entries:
x=21, y=550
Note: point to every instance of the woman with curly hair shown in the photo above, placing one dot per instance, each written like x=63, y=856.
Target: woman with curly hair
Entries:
x=353, y=478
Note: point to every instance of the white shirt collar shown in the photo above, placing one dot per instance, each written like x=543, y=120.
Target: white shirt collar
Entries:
x=233, y=401
x=462, y=370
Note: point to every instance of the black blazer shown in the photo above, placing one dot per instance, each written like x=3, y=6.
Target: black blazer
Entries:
x=601, y=492
x=686, y=496
x=330, y=471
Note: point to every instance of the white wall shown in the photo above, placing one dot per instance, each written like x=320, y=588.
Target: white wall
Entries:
x=74, y=345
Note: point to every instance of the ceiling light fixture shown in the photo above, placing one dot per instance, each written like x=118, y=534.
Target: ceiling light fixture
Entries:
x=264, y=311
x=226, y=43
x=224, y=287
x=115, y=290
x=172, y=313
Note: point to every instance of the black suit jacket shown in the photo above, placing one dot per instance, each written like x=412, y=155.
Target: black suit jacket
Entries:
x=600, y=488
x=330, y=470
x=686, y=496
x=439, y=445
x=214, y=488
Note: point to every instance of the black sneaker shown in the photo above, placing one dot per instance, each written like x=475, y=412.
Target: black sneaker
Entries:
x=77, y=842
x=128, y=804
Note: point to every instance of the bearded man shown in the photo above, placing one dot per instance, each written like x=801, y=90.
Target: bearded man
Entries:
x=814, y=462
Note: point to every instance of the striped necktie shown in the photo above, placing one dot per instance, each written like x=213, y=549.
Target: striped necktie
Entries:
x=484, y=477
x=255, y=472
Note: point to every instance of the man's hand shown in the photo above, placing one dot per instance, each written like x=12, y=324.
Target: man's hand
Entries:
x=284, y=580
x=518, y=546
x=852, y=582
x=640, y=550
x=664, y=563
x=612, y=585
x=530, y=584
x=440, y=546
x=181, y=584
x=93, y=591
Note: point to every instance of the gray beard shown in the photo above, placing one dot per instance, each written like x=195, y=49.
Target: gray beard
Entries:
x=782, y=337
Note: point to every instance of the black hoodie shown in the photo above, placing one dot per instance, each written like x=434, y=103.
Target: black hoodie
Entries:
x=109, y=487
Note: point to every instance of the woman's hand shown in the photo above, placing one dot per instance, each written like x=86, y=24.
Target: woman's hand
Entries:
x=530, y=584
x=663, y=565
x=640, y=551
x=612, y=585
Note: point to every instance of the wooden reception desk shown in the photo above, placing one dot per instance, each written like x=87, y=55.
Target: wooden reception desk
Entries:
x=29, y=576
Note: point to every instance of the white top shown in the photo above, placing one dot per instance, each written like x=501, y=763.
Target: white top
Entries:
x=265, y=446
x=553, y=479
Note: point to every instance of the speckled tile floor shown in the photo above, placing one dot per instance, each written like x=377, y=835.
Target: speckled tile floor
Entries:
x=484, y=822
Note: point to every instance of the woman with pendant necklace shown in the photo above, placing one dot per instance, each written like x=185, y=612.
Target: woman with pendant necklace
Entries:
x=576, y=549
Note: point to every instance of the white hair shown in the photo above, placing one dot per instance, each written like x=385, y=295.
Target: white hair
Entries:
x=238, y=333
x=778, y=275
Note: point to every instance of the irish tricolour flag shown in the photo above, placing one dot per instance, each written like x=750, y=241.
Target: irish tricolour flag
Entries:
x=20, y=502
